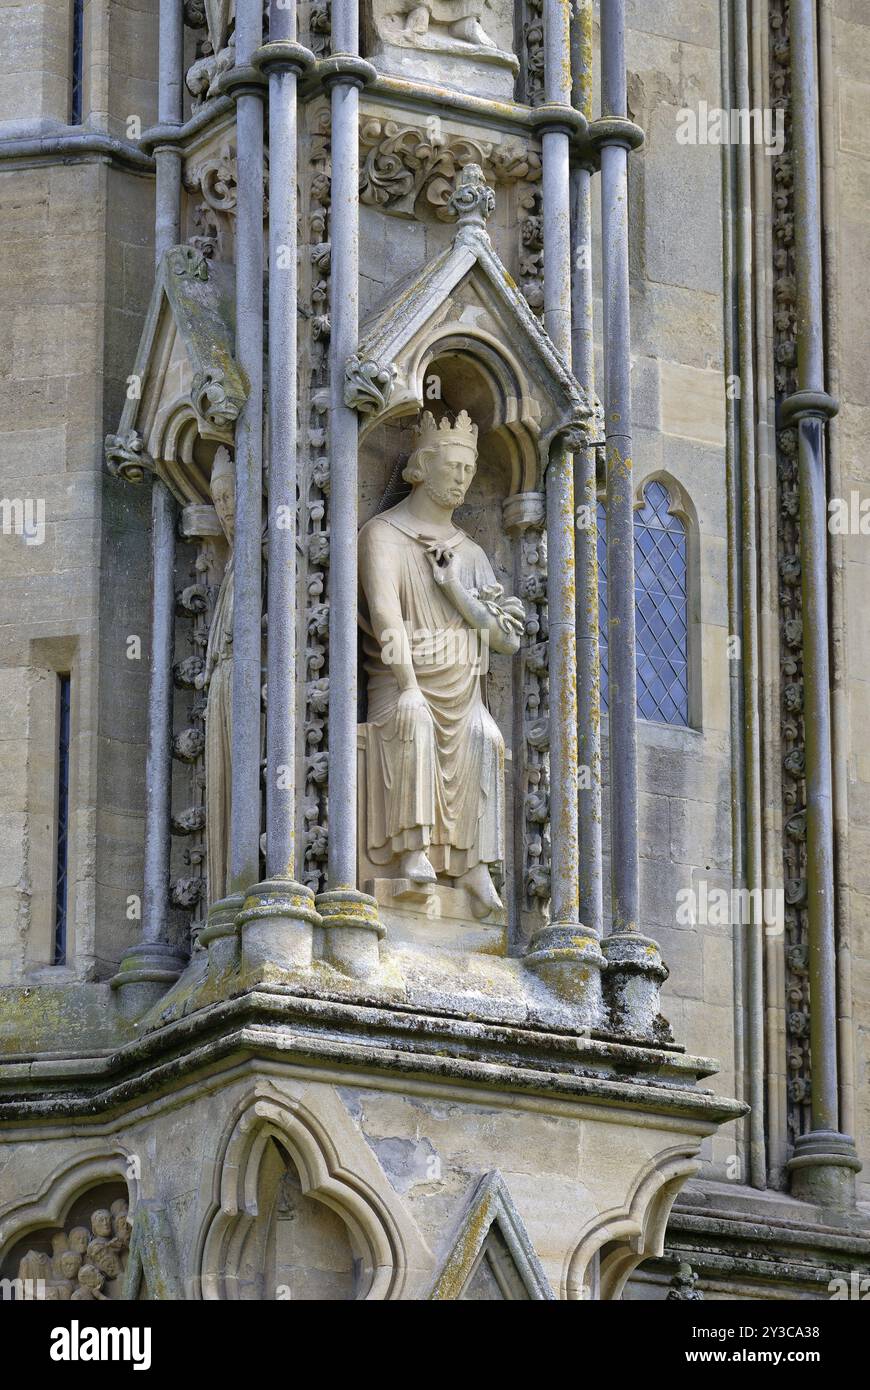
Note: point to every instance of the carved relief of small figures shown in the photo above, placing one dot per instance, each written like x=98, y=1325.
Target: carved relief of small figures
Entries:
x=216, y=678
x=34, y=1275
x=65, y=1269
x=82, y=1261
x=90, y=1286
x=121, y=1228
x=432, y=609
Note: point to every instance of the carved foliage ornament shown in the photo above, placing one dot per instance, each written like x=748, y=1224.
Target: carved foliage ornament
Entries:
x=472, y=200
x=189, y=260
x=368, y=385
x=536, y=725
x=401, y=163
x=783, y=308
x=314, y=498
x=213, y=180
x=212, y=402
x=533, y=33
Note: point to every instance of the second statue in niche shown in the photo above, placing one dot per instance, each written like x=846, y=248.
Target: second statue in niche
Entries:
x=431, y=611
x=217, y=679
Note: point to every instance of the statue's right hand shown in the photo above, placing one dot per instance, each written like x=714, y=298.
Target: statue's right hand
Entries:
x=412, y=709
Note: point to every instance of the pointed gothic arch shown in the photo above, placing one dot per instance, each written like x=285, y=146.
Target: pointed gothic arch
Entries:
x=667, y=601
x=623, y=1237
x=383, y=1246
x=63, y=1187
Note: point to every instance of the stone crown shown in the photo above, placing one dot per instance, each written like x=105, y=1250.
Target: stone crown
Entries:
x=431, y=433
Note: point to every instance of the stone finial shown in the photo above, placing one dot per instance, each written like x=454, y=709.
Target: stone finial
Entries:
x=472, y=199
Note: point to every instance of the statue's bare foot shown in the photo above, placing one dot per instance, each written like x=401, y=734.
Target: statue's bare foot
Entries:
x=470, y=31
x=484, y=898
x=416, y=867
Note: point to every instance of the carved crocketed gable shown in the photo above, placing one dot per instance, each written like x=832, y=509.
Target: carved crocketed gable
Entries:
x=466, y=302
x=492, y=1257
x=186, y=383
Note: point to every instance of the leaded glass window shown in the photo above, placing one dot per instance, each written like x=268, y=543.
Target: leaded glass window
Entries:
x=78, y=60
x=62, y=821
x=661, y=609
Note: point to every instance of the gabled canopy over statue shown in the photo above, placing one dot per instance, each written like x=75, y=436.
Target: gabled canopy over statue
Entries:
x=431, y=610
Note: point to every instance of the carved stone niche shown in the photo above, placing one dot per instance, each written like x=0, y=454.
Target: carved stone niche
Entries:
x=81, y=1258
x=300, y=1209
x=296, y=1248
x=459, y=336
x=178, y=424
x=464, y=44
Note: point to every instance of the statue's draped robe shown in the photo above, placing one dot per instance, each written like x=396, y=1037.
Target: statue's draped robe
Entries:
x=447, y=11
x=443, y=790
x=218, y=732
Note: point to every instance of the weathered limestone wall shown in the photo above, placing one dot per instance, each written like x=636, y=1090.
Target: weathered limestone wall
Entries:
x=119, y=66
x=396, y=1161
x=678, y=405
x=51, y=414
x=76, y=275
x=850, y=147
x=37, y=41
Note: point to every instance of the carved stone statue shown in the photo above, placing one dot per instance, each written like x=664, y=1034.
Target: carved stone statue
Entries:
x=216, y=678
x=462, y=43
x=431, y=610
x=460, y=18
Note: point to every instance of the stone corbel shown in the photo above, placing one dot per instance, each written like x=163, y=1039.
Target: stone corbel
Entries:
x=189, y=261
x=582, y=430
x=368, y=384
x=127, y=458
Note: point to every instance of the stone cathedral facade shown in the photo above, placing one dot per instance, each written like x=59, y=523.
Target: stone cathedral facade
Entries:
x=434, y=652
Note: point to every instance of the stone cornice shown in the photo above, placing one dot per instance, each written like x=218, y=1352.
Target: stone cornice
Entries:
x=406, y=96
x=429, y=98
x=277, y=1023
x=73, y=142
x=181, y=135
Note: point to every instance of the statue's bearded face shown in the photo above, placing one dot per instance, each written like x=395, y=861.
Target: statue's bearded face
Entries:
x=448, y=472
